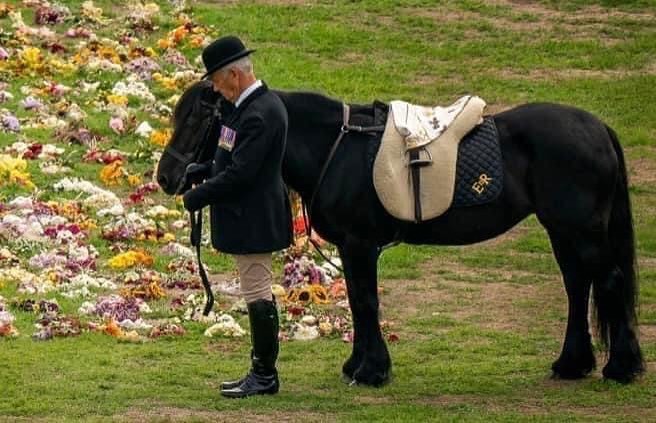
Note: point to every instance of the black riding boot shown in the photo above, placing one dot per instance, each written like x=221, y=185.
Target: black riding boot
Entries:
x=263, y=377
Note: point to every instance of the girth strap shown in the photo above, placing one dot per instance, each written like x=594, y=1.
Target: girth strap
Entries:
x=307, y=211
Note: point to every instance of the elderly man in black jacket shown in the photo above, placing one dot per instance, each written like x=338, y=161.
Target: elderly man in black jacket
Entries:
x=249, y=206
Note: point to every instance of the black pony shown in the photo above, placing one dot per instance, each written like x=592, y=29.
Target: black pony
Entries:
x=560, y=163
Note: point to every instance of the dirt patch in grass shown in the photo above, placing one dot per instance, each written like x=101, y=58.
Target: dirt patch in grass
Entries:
x=512, y=307
x=642, y=171
x=592, y=13
x=499, y=306
x=538, y=407
x=176, y=414
x=648, y=333
x=568, y=74
x=265, y=2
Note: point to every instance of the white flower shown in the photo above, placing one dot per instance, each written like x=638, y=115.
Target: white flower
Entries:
x=145, y=308
x=53, y=169
x=309, y=320
x=179, y=224
x=144, y=129
x=304, y=333
x=135, y=89
x=87, y=307
x=6, y=318
x=76, y=114
x=21, y=202
x=225, y=326
x=90, y=87
x=138, y=324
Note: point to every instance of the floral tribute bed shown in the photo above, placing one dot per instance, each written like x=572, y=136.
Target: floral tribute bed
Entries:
x=88, y=243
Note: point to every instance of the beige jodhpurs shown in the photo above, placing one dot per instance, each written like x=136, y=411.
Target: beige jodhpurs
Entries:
x=255, y=276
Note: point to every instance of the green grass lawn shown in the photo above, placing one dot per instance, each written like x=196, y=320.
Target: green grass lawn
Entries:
x=479, y=326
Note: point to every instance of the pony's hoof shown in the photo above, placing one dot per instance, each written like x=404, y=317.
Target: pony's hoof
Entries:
x=622, y=374
x=349, y=368
x=571, y=371
x=370, y=377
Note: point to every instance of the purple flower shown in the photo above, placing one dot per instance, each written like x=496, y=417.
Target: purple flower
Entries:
x=174, y=57
x=10, y=122
x=30, y=102
x=143, y=67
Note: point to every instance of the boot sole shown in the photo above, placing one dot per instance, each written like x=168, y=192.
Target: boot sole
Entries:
x=241, y=394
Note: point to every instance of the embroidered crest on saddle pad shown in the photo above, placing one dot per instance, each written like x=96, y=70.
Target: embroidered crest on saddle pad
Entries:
x=415, y=174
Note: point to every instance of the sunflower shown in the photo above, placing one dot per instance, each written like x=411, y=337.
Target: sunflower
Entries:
x=318, y=294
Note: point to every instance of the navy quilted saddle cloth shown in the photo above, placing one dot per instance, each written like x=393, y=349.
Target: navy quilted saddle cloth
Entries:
x=479, y=169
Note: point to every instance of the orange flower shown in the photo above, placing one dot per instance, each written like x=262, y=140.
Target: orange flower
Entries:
x=164, y=43
x=112, y=173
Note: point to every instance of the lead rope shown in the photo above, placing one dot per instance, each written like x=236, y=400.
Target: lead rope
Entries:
x=196, y=230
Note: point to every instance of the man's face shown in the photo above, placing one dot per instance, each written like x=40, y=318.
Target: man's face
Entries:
x=227, y=83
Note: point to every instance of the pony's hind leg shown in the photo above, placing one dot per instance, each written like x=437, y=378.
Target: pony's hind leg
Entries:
x=614, y=303
x=577, y=358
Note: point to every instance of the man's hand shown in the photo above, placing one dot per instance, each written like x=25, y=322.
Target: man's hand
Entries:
x=197, y=172
x=191, y=201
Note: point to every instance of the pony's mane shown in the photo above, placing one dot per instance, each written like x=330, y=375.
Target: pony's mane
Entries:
x=315, y=108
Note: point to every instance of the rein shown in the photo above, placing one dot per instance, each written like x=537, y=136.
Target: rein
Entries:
x=196, y=220
x=307, y=211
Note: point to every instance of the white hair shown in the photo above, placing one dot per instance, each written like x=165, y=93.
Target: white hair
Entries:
x=244, y=64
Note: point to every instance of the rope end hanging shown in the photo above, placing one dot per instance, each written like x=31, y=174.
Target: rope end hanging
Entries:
x=196, y=232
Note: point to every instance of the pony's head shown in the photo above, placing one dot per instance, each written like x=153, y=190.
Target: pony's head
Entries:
x=195, y=121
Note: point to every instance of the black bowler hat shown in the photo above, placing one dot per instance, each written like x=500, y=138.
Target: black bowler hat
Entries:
x=223, y=51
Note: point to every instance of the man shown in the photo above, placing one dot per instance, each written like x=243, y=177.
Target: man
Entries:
x=249, y=206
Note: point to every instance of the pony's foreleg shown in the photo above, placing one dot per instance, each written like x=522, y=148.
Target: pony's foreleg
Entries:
x=370, y=362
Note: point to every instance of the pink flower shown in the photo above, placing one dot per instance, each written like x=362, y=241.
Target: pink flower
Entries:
x=3, y=54
x=116, y=124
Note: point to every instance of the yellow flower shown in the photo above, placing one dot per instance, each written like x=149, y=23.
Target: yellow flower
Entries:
x=134, y=180
x=112, y=173
x=319, y=294
x=161, y=138
x=130, y=259
x=32, y=58
x=167, y=237
x=14, y=171
x=313, y=293
x=63, y=67
x=109, y=53
x=117, y=99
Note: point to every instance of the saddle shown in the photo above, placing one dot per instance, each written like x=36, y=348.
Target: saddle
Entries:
x=414, y=171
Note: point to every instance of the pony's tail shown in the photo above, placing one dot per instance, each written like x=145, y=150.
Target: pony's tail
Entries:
x=616, y=297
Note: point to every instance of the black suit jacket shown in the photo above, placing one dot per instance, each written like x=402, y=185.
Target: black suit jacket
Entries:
x=249, y=205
